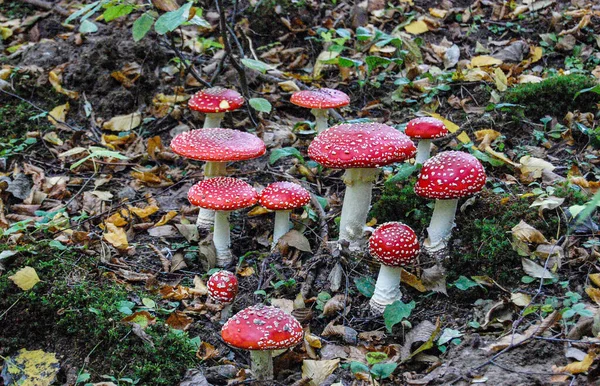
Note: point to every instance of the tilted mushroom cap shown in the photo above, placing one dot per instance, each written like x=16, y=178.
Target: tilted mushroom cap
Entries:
x=450, y=175
x=394, y=244
x=322, y=98
x=262, y=327
x=360, y=145
x=283, y=196
x=222, y=193
x=426, y=128
x=223, y=286
x=217, y=144
x=215, y=100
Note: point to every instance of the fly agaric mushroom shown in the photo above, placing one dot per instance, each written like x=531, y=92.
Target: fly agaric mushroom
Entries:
x=320, y=101
x=282, y=197
x=394, y=245
x=262, y=329
x=425, y=129
x=360, y=148
x=215, y=101
x=223, y=287
x=446, y=177
x=222, y=194
x=217, y=147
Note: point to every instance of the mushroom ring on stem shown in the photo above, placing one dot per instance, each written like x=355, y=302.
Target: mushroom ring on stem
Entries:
x=223, y=287
x=320, y=101
x=216, y=147
x=282, y=197
x=360, y=148
x=446, y=177
x=215, y=102
x=222, y=194
x=395, y=245
x=262, y=329
x=425, y=129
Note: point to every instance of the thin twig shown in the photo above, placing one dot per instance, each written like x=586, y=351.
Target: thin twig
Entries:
x=189, y=69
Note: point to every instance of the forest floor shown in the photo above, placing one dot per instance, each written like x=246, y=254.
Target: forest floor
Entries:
x=103, y=272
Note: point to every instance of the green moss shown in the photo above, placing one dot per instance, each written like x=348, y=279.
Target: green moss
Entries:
x=400, y=203
x=554, y=96
x=16, y=9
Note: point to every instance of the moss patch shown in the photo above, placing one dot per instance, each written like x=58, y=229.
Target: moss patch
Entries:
x=398, y=202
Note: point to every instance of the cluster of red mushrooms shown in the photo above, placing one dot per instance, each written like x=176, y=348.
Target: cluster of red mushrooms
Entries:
x=359, y=148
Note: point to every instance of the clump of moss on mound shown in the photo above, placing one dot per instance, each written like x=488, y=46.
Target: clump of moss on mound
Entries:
x=398, y=202
x=554, y=96
x=73, y=309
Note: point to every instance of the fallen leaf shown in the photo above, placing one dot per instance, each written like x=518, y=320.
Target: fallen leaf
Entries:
x=594, y=294
x=318, y=371
x=532, y=168
x=59, y=113
x=179, y=321
x=334, y=305
x=296, y=240
x=484, y=61
x=526, y=233
x=175, y=293
x=143, y=213
x=416, y=27
x=142, y=318
x=424, y=333
x=535, y=270
x=166, y=218
x=500, y=80
x=451, y=126
x=25, y=278
x=413, y=281
x=123, y=122
x=595, y=278
x=520, y=299
x=30, y=368
x=206, y=351
x=550, y=202
x=517, y=339
x=577, y=367
x=116, y=236
x=55, y=78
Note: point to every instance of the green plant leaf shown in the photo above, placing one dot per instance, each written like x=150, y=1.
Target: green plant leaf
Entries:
x=375, y=357
x=75, y=15
x=464, y=283
x=256, y=65
x=285, y=152
x=590, y=207
x=260, y=104
x=403, y=172
x=383, y=370
x=358, y=367
x=115, y=11
x=397, y=311
x=169, y=21
x=595, y=89
x=87, y=27
x=365, y=285
x=376, y=61
x=447, y=335
x=141, y=26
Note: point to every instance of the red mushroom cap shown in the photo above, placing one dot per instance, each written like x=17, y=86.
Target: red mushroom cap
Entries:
x=222, y=193
x=426, y=128
x=360, y=145
x=215, y=100
x=216, y=144
x=283, y=196
x=223, y=286
x=450, y=175
x=394, y=244
x=262, y=327
x=322, y=98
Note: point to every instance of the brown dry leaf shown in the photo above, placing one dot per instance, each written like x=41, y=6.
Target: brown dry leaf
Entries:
x=535, y=270
x=175, y=293
x=518, y=339
x=286, y=305
x=296, y=240
x=166, y=218
x=128, y=74
x=147, y=177
x=589, y=186
x=532, y=168
x=142, y=318
x=55, y=78
x=199, y=287
x=154, y=147
x=318, y=371
x=177, y=262
x=413, y=281
x=179, y=321
x=577, y=367
x=334, y=305
x=116, y=236
x=348, y=334
x=526, y=233
x=206, y=351
x=434, y=279
x=520, y=299
x=123, y=122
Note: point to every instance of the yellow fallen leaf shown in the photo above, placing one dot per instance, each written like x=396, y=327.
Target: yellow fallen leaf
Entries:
x=595, y=278
x=318, y=371
x=59, y=113
x=5, y=72
x=528, y=234
x=486, y=136
x=439, y=13
x=166, y=218
x=413, y=281
x=206, y=351
x=463, y=137
x=520, y=299
x=451, y=126
x=323, y=57
x=32, y=368
x=536, y=54
x=416, y=27
x=52, y=137
x=55, y=80
x=484, y=61
x=500, y=80
x=313, y=340
x=258, y=211
x=577, y=367
x=289, y=86
x=117, y=219
x=5, y=33
x=123, y=122
x=533, y=168
x=116, y=236
x=111, y=140
x=143, y=213
x=147, y=177
x=246, y=271
x=594, y=294
x=25, y=278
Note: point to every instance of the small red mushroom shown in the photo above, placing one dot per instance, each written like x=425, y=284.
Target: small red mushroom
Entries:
x=282, y=197
x=446, y=177
x=223, y=287
x=395, y=245
x=425, y=129
x=222, y=194
x=215, y=101
x=262, y=329
x=320, y=101
x=360, y=148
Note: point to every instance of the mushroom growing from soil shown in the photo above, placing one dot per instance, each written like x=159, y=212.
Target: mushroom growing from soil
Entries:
x=395, y=245
x=223, y=287
x=320, y=101
x=360, y=148
x=262, y=329
x=282, y=197
x=222, y=194
x=215, y=101
x=446, y=177
x=425, y=129
x=216, y=147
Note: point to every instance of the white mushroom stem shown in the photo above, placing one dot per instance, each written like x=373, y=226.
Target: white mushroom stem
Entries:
x=357, y=201
x=213, y=120
x=321, y=116
x=221, y=239
x=262, y=364
x=282, y=225
x=387, y=288
x=423, y=151
x=441, y=224
x=206, y=217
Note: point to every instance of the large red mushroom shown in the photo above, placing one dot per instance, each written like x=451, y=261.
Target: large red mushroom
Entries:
x=215, y=102
x=262, y=329
x=360, y=148
x=320, y=101
x=446, y=177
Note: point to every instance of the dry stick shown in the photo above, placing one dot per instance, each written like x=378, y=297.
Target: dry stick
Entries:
x=313, y=263
x=240, y=70
x=190, y=69
x=48, y=6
